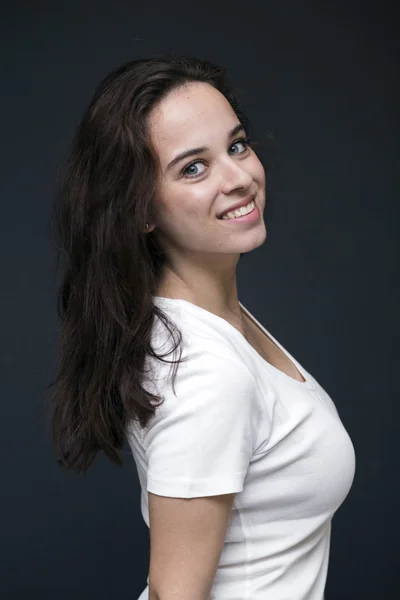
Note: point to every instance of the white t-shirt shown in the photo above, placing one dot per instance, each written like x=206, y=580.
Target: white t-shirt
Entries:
x=238, y=424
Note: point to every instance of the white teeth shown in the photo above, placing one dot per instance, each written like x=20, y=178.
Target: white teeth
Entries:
x=244, y=210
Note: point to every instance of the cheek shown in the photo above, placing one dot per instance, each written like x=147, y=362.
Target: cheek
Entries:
x=191, y=201
x=199, y=196
x=258, y=171
x=195, y=200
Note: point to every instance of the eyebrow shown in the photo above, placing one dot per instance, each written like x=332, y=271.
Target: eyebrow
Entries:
x=193, y=151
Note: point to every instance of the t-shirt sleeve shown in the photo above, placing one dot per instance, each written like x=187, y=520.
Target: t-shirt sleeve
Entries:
x=202, y=441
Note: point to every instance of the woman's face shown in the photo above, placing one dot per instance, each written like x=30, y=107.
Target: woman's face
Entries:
x=192, y=191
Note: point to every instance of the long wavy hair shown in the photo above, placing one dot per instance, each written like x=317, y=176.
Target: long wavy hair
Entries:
x=110, y=267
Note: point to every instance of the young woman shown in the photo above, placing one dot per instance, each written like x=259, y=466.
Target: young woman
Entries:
x=241, y=455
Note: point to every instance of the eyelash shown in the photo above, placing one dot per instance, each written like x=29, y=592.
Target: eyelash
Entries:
x=244, y=140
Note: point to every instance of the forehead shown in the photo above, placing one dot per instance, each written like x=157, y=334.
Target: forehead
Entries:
x=190, y=116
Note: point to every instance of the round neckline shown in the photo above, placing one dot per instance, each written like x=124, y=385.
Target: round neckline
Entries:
x=307, y=384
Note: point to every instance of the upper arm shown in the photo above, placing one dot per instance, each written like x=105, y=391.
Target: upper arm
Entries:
x=201, y=442
x=186, y=541
x=198, y=450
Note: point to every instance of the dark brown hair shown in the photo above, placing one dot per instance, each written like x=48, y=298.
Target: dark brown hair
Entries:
x=110, y=268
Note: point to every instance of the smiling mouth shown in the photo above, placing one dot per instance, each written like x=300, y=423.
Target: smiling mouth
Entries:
x=250, y=207
x=251, y=199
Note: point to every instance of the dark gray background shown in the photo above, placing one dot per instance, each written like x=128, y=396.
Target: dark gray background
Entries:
x=323, y=77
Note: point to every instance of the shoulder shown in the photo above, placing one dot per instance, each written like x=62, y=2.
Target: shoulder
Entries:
x=210, y=370
x=204, y=345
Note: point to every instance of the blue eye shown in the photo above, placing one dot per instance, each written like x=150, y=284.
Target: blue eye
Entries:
x=244, y=141
x=186, y=170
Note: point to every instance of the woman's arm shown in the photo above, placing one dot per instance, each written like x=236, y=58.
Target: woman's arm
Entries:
x=186, y=540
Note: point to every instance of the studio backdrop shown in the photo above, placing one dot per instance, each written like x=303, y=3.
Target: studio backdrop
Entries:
x=319, y=82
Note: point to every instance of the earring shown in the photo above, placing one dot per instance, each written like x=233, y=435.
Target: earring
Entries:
x=147, y=225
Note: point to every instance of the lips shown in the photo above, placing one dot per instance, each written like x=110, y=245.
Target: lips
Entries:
x=239, y=204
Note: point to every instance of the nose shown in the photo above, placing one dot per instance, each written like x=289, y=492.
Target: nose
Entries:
x=234, y=176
